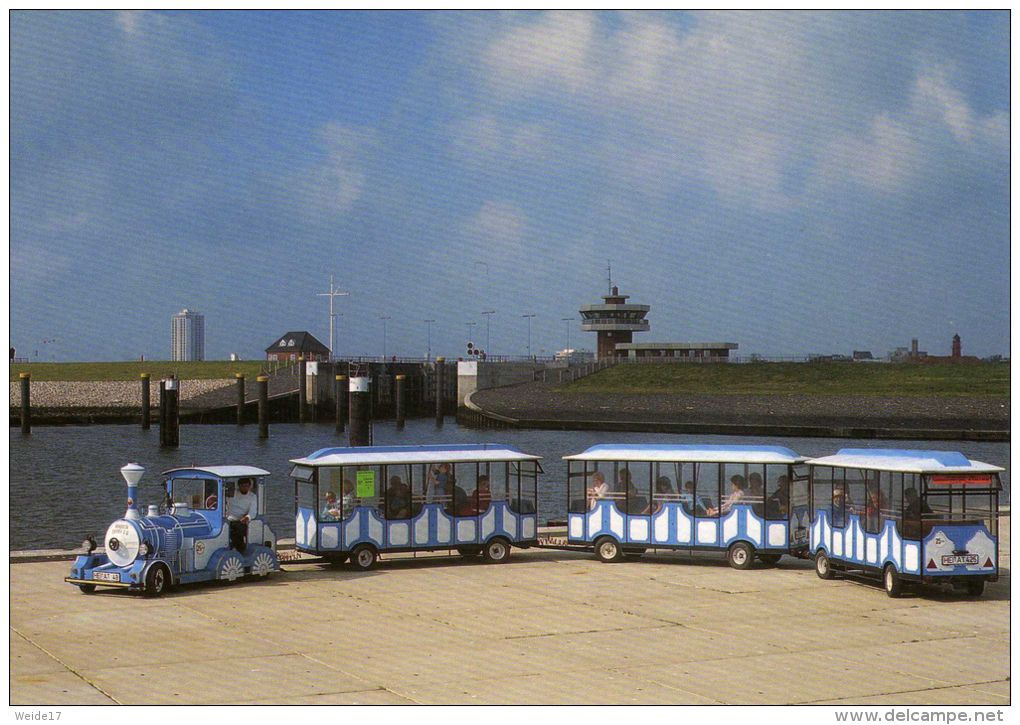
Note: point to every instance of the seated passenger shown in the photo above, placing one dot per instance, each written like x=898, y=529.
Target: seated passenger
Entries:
x=875, y=506
x=439, y=483
x=480, y=500
x=756, y=493
x=840, y=507
x=598, y=489
x=663, y=492
x=687, y=497
x=738, y=487
x=398, y=499
x=635, y=503
x=459, y=502
x=331, y=509
x=778, y=505
x=347, y=497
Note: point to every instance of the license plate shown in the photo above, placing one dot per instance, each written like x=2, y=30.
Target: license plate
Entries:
x=956, y=560
x=106, y=576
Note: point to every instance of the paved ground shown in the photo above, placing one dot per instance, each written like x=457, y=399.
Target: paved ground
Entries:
x=548, y=627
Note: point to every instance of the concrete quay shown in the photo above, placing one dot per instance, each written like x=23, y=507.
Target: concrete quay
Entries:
x=547, y=627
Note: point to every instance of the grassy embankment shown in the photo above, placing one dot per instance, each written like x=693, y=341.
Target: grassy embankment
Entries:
x=891, y=379
x=99, y=371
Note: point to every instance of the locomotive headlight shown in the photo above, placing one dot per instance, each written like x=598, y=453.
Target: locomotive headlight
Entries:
x=114, y=545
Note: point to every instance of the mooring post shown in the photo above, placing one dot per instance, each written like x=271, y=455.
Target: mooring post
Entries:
x=302, y=390
x=361, y=415
x=170, y=432
x=162, y=411
x=440, y=374
x=263, y=383
x=145, y=401
x=341, y=402
x=399, y=403
x=26, y=402
x=240, y=398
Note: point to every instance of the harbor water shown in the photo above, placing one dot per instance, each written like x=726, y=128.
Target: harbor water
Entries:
x=65, y=481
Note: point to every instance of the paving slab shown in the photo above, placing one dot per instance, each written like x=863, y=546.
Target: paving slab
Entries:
x=972, y=695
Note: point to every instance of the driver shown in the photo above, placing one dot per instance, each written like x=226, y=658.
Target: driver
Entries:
x=241, y=508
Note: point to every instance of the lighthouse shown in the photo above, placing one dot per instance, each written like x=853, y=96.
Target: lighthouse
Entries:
x=614, y=321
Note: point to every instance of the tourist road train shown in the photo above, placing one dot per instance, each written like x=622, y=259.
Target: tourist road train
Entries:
x=903, y=516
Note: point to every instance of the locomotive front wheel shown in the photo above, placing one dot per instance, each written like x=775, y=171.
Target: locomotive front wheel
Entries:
x=740, y=555
x=363, y=557
x=607, y=550
x=975, y=587
x=87, y=588
x=823, y=568
x=157, y=581
x=892, y=581
x=496, y=551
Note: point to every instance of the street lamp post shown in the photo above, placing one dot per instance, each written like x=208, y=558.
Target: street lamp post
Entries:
x=488, y=316
x=428, y=338
x=384, y=318
x=528, y=318
x=568, y=320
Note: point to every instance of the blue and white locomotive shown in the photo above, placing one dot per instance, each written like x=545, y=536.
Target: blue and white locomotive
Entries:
x=184, y=539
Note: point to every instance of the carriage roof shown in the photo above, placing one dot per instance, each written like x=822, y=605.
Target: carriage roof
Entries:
x=374, y=455
x=682, y=453
x=905, y=461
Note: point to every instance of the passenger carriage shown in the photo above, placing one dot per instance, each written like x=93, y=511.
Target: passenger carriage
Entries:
x=360, y=502
x=624, y=499
x=183, y=539
x=907, y=516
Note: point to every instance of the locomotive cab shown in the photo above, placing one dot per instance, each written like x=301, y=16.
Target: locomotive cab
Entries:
x=186, y=537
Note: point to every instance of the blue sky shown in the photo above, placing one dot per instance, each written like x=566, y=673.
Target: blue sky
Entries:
x=793, y=182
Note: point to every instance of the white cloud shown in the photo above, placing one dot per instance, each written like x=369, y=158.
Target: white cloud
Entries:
x=333, y=185
x=486, y=138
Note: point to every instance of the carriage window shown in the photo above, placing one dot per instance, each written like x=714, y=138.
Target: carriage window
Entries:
x=306, y=495
x=578, y=477
x=706, y=487
x=685, y=485
x=856, y=495
x=825, y=496
x=664, y=488
x=331, y=494
x=637, y=485
x=526, y=473
x=892, y=495
x=439, y=484
x=419, y=484
x=874, y=500
x=398, y=492
x=734, y=479
x=777, y=492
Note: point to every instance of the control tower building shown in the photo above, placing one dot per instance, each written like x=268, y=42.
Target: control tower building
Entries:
x=614, y=321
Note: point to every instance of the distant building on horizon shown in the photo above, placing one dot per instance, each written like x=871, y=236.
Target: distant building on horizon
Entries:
x=187, y=336
x=291, y=345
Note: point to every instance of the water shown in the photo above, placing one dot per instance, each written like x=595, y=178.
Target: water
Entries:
x=65, y=481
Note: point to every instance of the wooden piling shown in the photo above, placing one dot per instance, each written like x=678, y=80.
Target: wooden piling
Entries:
x=361, y=413
x=341, y=402
x=26, y=402
x=169, y=430
x=263, y=383
x=440, y=374
x=240, y=398
x=399, y=404
x=146, y=411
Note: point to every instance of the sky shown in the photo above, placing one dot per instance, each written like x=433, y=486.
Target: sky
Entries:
x=798, y=183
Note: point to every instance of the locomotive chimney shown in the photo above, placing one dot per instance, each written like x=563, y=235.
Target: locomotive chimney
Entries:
x=132, y=473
